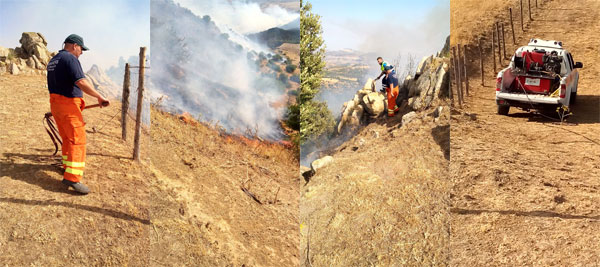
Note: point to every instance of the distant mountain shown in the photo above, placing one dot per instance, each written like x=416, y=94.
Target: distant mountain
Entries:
x=102, y=83
x=347, y=57
x=292, y=25
x=274, y=37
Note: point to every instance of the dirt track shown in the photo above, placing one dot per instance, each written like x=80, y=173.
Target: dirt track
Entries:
x=526, y=189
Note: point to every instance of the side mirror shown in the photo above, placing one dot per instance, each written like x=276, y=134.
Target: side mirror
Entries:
x=578, y=65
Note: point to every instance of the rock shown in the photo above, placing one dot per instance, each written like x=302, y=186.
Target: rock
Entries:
x=369, y=85
x=348, y=109
x=3, y=53
x=13, y=69
x=30, y=63
x=422, y=65
x=19, y=52
x=374, y=103
x=320, y=163
x=362, y=142
x=408, y=117
x=415, y=102
x=437, y=112
x=356, y=100
x=42, y=54
x=442, y=87
x=38, y=64
x=306, y=173
x=416, y=87
x=33, y=43
x=356, y=116
x=30, y=39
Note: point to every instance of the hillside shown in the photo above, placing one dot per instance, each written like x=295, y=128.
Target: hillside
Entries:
x=525, y=187
x=380, y=197
x=383, y=200
x=208, y=74
x=275, y=37
x=182, y=205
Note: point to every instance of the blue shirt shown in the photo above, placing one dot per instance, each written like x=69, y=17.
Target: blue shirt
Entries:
x=64, y=70
x=391, y=81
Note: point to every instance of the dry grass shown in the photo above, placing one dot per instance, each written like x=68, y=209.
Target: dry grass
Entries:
x=383, y=203
x=43, y=224
x=182, y=205
x=469, y=19
x=525, y=191
x=207, y=169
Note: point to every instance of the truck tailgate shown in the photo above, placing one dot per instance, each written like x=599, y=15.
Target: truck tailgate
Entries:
x=532, y=84
x=539, y=99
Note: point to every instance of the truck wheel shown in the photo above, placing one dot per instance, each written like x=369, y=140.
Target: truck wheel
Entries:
x=573, y=98
x=503, y=109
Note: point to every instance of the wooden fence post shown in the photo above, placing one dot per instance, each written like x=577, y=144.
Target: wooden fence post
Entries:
x=529, y=8
x=494, y=49
x=522, y=28
x=481, y=63
x=499, y=45
x=138, y=113
x=457, y=75
x=465, y=69
x=512, y=27
x=460, y=73
x=125, y=106
x=503, y=40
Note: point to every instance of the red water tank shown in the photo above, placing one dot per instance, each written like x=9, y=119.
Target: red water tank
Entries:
x=531, y=57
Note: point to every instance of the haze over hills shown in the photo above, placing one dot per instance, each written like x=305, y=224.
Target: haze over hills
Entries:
x=213, y=75
x=275, y=37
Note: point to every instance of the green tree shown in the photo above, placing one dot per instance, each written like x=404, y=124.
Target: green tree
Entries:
x=315, y=118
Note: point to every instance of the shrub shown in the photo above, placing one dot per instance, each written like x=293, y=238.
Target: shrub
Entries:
x=290, y=68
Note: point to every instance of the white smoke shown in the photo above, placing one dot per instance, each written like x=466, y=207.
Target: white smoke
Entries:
x=242, y=16
x=208, y=74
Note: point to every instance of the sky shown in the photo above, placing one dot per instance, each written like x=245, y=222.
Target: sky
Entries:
x=110, y=28
x=419, y=28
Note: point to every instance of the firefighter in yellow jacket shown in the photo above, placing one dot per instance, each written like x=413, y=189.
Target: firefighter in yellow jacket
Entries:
x=67, y=83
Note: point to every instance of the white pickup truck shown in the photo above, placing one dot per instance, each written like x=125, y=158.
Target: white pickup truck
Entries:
x=540, y=75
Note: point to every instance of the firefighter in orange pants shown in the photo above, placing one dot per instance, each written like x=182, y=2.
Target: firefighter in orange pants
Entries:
x=66, y=84
x=390, y=82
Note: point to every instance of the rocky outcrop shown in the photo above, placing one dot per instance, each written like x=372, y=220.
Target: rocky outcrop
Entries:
x=102, y=83
x=30, y=58
x=321, y=163
x=365, y=103
x=430, y=82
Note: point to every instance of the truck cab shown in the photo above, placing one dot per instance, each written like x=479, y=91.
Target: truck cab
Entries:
x=541, y=75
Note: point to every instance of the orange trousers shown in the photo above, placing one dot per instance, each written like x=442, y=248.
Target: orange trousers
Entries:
x=392, y=94
x=69, y=121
